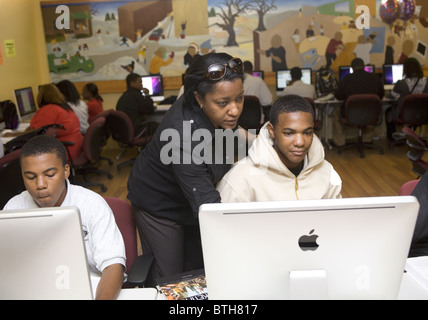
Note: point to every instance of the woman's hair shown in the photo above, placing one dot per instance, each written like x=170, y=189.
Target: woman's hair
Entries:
x=92, y=89
x=69, y=91
x=289, y=104
x=50, y=94
x=196, y=80
x=42, y=144
x=412, y=68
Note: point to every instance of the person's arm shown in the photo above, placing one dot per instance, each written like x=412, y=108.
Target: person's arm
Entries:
x=111, y=282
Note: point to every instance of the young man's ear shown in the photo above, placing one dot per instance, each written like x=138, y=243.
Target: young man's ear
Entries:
x=67, y=170
x=271, y=130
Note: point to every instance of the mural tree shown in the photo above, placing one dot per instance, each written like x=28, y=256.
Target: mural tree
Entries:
x=262, y=7
x=228, y=13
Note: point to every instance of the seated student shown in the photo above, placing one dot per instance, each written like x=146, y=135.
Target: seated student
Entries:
x=45, y=172
x=255, y=86
x=53, y=109
x=285, y=162
x=298, y=87
x=419, y=246
x=134, y=104
x=414, y=82
x=80, y=108
x=358, y=82
x=93, y=100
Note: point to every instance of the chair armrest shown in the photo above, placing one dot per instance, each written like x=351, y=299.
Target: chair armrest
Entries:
x=137, y=276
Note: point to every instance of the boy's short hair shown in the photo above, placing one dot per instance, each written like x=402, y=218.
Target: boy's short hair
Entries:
x=132, y=77
x=42, y=144
x=289, y=104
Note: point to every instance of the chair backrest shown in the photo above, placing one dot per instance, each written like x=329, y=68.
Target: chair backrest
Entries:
x=94, y=139
x=407, y=188
x=104, y=114
x=11, y=182
x=123, y=215
x=414, y=110
x=363, y=110
x=251, y=114
x=121, y=127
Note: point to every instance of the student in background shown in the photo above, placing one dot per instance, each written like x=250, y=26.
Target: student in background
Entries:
x=419, y=246
x=298, y=87
x=285, y=162
x=255, y=86
x=68, y=89
x=414, y=82
x=136, y=105
x=54, y=109
x=45, y=174
x=358, y=82
x=93, y=100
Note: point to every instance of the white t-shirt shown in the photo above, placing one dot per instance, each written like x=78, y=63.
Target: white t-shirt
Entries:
x=103, y=240
x=81, y=111
x=301, y=89
x=255, y=86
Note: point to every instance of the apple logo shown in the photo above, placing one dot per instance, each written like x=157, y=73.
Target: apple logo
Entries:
x=309, y=242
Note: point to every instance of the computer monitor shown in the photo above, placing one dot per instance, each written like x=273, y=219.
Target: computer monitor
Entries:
x=391, y=74
x=43, y=255
x=259, y=74
x=155, y=86
x=283, y=78
x=345, y=70
x=353, y=248
x=25, y=103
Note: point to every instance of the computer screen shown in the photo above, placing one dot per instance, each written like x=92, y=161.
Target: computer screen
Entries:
x=355, y=247
x=259, y=74
x=155, y=86
x=25, y=103
x=392, y=73
x=345, y=70
x=46, y=257
x=283, y=78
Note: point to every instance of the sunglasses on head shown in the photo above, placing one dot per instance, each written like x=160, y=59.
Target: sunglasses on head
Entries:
x=217, y=71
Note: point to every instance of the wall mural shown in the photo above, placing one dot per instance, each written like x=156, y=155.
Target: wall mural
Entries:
x=105, y=40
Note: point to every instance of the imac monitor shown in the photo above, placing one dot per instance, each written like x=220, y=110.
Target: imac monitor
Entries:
x=345, y=70
x=43, y=255
x=391, y=74
x=283, y=78
x=259, y=74
x=354, y=248
x=25, y=103
x=155, y=86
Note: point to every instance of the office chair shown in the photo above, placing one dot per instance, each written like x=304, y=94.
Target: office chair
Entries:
x=11, y=182
x=407, y=188
x=137, y=267
x=104, y=114
x=317, y=117
x=362, y=111
x=417, y=148
x=251, y=115
x=413, y=113
x=86, y=164
x=122, y=131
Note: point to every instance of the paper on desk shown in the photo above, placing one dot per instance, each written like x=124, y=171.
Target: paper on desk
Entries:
x=418, y=268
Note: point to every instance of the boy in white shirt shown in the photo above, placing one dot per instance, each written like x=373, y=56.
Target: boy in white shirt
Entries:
x=45, y=172
x=298, y=87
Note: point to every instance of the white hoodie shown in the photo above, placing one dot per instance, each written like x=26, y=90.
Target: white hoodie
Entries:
x=262, y=176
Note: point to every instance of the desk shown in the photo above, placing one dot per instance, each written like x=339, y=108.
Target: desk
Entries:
x=159, y=113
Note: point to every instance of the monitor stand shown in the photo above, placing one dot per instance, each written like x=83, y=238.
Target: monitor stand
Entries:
x=308, y=285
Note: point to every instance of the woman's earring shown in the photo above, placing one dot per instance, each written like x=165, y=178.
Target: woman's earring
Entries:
x=202, y=107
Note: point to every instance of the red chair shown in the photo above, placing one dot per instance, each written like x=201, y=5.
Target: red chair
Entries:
x=407, y=188
x=87, y=162
x=362, y=111
x=11, y=182
x=417, y=148
x=122, y=131
x=137, y=267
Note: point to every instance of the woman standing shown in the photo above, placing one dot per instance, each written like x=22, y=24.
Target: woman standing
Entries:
x=179, y=169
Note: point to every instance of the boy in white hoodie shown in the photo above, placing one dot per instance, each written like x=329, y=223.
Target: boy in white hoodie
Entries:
x=285, y=162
